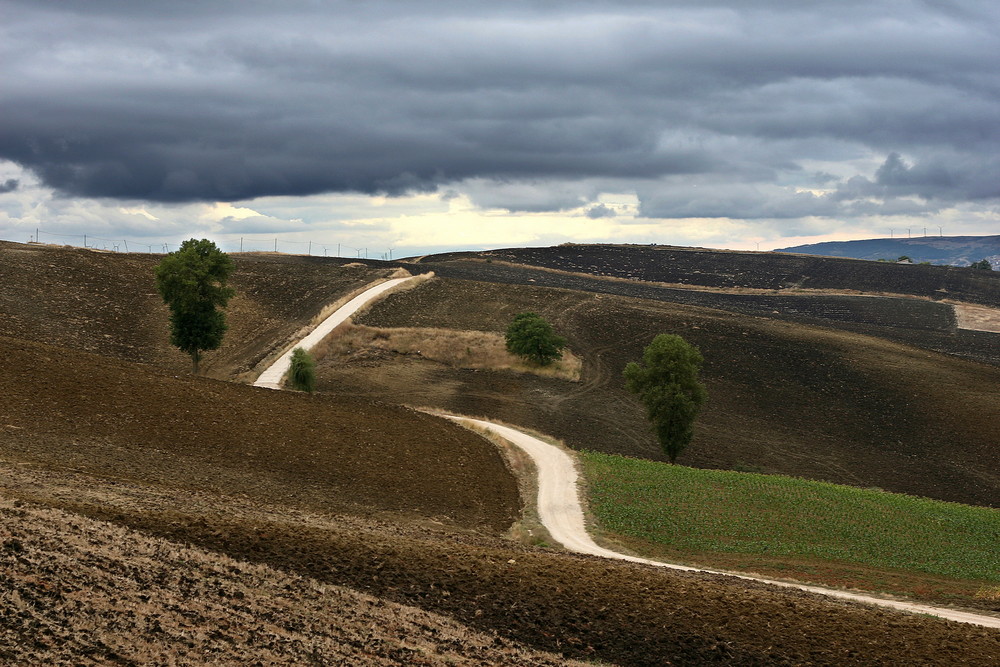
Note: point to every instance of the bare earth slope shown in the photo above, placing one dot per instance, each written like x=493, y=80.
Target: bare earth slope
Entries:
x=75, y=410
x=783, y=397
x=912, y=319
x=769, y=271
x=575, y=606
x=337, y=490
x=80, y=591
x=107, y=303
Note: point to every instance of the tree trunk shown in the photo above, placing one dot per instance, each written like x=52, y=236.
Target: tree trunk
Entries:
x=195, y=358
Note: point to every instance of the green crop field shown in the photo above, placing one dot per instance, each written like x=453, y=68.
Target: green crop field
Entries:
x=703, y=511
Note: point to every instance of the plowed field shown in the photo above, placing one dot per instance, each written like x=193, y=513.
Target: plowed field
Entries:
x=99, y=420
x=784, y=397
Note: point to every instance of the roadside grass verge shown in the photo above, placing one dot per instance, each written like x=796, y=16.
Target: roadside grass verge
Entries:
x=793, y=527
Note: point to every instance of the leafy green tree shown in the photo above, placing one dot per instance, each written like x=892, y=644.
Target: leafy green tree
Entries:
x=667, y=385
x=302, y=370
x=192, y=282
x=533, y=338
x=982, y=264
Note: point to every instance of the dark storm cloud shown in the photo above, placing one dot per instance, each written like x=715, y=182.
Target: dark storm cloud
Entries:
x=946, y=180
x=190, y=101
x=10, y=185
x=600, y=211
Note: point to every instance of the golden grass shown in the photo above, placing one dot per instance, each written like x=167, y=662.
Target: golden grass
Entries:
x=988, y=593
x=977, y=318
x=459, y=349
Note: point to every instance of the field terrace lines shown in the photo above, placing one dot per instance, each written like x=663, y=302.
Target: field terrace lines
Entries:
x=562, y=515
x=784, y=397
x=64, y=409
x=558, y=503
x=272, y=377
x=914, y=320
x=767, y=271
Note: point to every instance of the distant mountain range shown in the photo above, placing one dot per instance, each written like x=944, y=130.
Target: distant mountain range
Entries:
x=953, y=250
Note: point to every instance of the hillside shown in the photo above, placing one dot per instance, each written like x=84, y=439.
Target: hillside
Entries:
x=107, y=303
x=81, y=587
x=68, y=409
x=830, y=534
x=785, y=397
x=114, y=461
x=779, y=272
x=951, y=250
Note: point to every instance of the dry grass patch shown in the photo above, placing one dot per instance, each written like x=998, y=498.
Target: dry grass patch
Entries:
x=329, y=309
x=977, y=318
x=988, y=593
x=458, y=349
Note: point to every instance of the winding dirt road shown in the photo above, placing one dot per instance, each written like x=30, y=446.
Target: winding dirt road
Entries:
x=272, y=376
x=562, y=515
x=558, y=496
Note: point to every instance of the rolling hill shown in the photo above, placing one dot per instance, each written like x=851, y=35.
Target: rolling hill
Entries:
x=951, y=250
x=853, y=389
x=253, y=506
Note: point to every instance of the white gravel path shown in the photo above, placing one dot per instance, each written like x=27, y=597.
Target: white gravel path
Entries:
x=562, y=515
x=271, y=378
x=558, y=496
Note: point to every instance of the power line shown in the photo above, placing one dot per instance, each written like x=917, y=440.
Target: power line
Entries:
x=246, y=244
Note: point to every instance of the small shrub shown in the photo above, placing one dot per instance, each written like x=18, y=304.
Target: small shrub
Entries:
x=533, y=338
x=302, y=371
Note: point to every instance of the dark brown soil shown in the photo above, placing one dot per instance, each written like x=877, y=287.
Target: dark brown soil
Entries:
x=771, y=271
x=355, y=492
x=75, y=410
x=80, y=591
x=107, y=303
x=911, y=320
x=783, y=397
x=575, y=606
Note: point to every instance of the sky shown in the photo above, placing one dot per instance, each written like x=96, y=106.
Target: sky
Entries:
x=399, y=127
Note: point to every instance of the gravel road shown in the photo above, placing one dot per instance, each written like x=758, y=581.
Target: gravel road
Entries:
x=558, y=497
x=272, y=377
x=560, y=512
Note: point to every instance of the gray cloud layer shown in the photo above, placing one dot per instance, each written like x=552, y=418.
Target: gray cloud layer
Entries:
x=225, y=101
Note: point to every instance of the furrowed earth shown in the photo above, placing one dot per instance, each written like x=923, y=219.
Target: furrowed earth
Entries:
x=344, y=526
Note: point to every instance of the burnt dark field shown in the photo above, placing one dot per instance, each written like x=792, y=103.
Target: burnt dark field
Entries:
x=920, y=321
x=769, y=271
x=784, y=397
x=107, y=443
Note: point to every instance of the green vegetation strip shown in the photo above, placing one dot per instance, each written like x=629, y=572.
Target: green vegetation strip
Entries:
x=699, y=511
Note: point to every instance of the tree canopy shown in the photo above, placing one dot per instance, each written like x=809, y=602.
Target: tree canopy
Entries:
x=667, y=385
x=982, y=264
x=532, y=337
x=192, y=282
